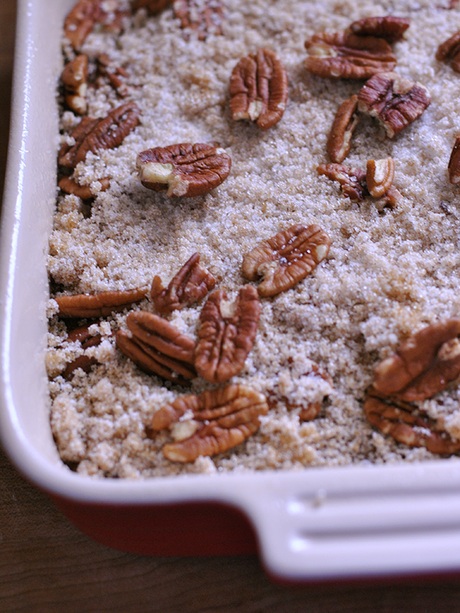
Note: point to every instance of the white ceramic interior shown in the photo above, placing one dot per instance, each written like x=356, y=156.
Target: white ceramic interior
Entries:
x=317, y=523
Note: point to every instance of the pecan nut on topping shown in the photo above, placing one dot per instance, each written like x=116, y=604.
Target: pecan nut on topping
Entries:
x=80, y=21
x=405, y=423
x=393, y=100
x=259, y=89
x=85, y=362
x=70, y=186
x=115, y=75
x=158, y=347
x=454, y=163
x=220, y=419
x=85, y=15
x=202, y=16
x=95, y=134
x=344, y=124
x=189, y=285
x=226, y=335
x=341, y=55
x=185, y=169
x=423, y=365
x=449, y=51
x=353, y=182
x=390, y=28
x=75, y=77
x=379, y=176
x=98, y=305
x=286, y=258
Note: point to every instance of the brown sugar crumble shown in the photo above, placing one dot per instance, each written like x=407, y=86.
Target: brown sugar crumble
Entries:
x=140, y=268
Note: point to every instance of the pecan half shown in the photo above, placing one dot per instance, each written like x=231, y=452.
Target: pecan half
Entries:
x=188, y=286
x=95, y=134
x=449, y=51
x=343, y=126
x=259, y=89
x=389, y=27
x=342, y=55
x=82, y=335
x=226, y=334
x=75, y=77
x=70, y=186
x=85, y=362
x=406, y=425
x=454, y=163
x=423, y=365
x=98, y=305
x=83, y=17
x=115, y=75
x=69, y=154
x=154, y=6
x=80, y=21
x=220, y=419
x=185, y=169
x=393, y=100
x=158, y=347
x=379, y=176
x=286, y=258
x=352, y=181
x=202, y=16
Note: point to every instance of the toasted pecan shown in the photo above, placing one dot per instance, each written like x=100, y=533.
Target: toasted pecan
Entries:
x=221, y=419
x=259, y=89
x=226, y=338
x=98, y=305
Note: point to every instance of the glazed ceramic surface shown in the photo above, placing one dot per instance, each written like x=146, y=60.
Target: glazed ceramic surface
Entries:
x=312, y=524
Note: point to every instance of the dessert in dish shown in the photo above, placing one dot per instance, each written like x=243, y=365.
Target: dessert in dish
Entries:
x=255, y=236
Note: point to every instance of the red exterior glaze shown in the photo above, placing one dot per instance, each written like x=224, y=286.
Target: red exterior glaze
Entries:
x=188, y=529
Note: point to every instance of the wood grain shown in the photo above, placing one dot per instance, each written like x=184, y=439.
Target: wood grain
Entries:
x=47, y=566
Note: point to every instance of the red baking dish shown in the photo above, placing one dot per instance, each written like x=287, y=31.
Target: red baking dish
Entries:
x=318, y=523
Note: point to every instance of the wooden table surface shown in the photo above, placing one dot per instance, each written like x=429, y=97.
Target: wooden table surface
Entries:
x=47, y=566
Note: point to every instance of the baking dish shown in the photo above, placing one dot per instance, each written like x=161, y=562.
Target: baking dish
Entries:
x=321, y=523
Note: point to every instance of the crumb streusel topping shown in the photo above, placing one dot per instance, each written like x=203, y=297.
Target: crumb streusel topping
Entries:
x=389, y=271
